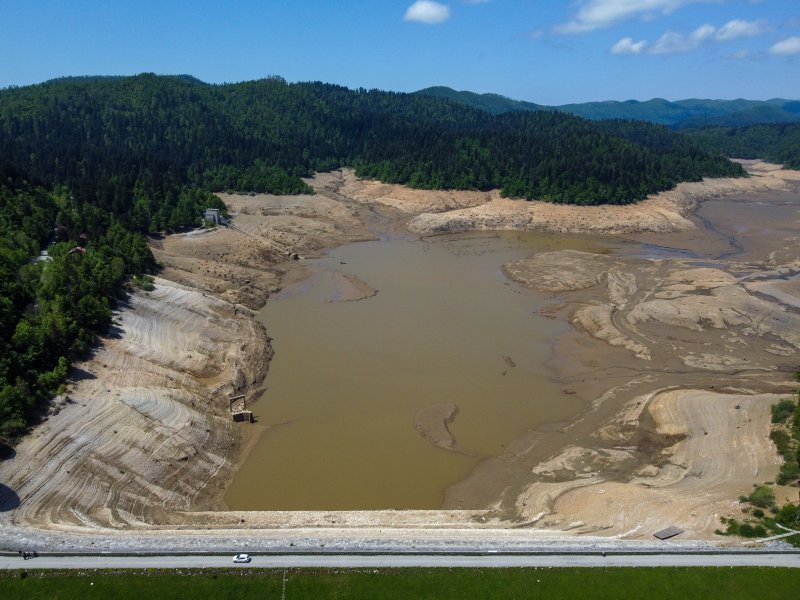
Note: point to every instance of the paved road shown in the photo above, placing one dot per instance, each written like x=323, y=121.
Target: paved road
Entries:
x=395, y=560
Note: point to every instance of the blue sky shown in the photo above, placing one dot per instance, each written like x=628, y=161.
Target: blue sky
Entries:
x=541, y=51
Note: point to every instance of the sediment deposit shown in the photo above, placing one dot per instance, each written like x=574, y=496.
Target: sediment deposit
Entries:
x=705, y=447
x=433, y=422
x=697, y=355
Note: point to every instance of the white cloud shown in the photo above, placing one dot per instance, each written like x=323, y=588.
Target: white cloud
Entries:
x=787, y=47
x=739, y=54
x=600, y=14
x=428, y=12
x=672, y=42
x=740, y=28
x=628, y=46
x=703, y=34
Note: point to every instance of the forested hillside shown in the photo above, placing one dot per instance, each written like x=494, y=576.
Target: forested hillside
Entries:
x=52, y=308
x=89, y=166
x=690, y=113
x=131, y=144
x=550, y=156
x=779, y=143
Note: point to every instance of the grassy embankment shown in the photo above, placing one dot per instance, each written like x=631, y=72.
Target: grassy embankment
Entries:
x=550, y=583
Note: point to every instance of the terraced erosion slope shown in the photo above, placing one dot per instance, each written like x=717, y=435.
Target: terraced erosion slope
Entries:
x=664, y=212
x=146, y=428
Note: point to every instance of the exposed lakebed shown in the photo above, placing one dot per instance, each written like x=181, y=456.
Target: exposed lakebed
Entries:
x=717, y=312
x=413, y=374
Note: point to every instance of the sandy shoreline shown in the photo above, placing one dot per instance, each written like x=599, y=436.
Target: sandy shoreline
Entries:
x=150, y=446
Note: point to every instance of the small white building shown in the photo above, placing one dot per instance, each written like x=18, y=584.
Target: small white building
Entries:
x=43, y=257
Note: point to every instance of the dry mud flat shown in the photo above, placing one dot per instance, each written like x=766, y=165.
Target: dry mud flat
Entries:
x=146, y=442
x=694, y=361
x=433, y=423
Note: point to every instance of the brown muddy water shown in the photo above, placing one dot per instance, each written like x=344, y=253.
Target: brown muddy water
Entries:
x=348, y=378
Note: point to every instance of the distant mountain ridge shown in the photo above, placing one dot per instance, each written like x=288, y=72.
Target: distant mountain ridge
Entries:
x=679, y=114
x=491, y=103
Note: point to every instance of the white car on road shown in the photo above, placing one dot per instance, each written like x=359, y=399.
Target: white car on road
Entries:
x=242, y=558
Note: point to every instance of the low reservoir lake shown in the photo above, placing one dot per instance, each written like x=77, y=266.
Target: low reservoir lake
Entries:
x=348, y=377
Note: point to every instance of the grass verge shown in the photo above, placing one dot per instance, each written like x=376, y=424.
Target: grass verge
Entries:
x=551, y=583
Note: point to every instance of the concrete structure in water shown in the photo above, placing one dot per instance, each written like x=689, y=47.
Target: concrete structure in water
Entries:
x=237, y=406
x=212, y=214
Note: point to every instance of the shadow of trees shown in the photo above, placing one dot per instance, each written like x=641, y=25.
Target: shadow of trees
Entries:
x=8, y=498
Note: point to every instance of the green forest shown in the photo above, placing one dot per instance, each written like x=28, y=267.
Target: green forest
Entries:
x=90, y=166
x=52, y=309
x=779, y=143
x=107, y=137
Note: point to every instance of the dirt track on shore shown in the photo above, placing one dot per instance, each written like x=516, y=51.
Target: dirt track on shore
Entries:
x=146, y=441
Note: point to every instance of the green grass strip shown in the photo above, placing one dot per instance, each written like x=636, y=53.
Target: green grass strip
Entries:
x=614, y=583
